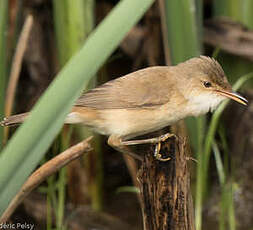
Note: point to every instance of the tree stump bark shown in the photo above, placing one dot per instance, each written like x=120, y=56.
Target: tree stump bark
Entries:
x=165, y=189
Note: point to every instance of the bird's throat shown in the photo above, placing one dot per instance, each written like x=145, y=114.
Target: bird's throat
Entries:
x=203, y=103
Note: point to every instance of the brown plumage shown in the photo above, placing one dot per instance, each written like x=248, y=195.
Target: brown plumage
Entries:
x=150, y=99
x=131, y=91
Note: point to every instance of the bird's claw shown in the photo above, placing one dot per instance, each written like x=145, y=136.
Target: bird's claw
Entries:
x=157, y=153
x=162, y=138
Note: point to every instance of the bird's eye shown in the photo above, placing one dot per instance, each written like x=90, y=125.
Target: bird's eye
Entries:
x=207, y=84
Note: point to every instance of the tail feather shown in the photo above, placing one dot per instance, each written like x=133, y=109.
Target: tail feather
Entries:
x=14, y=120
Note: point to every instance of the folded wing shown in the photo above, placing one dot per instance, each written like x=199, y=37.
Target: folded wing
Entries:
x=147, y=88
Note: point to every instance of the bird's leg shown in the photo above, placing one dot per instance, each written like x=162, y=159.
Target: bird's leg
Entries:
x=116, y=142
x=155, y=140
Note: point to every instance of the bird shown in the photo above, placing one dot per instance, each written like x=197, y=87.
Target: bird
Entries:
x=148, y=100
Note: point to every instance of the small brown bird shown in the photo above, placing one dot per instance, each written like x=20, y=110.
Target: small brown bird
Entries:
x=148, y=100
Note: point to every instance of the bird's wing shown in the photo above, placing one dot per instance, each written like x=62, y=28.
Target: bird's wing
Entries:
x=147, y=88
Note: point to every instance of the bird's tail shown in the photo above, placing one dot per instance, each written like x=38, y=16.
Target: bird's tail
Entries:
x=14, y=120
x=72, y=118
x=77, y=115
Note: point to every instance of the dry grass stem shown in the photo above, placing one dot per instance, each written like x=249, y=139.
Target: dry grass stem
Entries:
x=15, y=69
x=164, y=32
x=44, y=172
x=132, y=169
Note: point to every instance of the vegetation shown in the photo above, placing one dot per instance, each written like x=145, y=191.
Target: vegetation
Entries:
x=85, y=55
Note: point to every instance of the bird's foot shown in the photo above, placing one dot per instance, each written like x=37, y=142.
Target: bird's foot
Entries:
x=121, y=145
x=160, y=139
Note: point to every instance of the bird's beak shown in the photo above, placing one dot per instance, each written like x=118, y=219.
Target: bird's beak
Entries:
x=234, y=96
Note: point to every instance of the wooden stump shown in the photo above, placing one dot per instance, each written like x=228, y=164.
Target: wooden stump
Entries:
x=165, y=189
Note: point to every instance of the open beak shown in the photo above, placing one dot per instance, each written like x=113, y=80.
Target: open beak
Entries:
x=234, y=96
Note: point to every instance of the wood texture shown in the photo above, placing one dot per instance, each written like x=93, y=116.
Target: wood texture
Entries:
x=230, y=36
x=165, y=189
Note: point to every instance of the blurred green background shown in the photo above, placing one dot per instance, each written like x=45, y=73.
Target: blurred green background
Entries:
x=97, y=190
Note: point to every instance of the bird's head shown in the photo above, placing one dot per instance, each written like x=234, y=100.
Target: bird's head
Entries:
x=207, y=84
